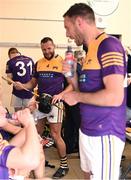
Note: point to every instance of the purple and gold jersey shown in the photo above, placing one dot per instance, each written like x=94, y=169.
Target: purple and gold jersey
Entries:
x=21, y=68
x=5, y=148
x=105, y=56
x=49, y=75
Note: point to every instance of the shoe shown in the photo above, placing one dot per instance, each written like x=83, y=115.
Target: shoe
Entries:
x=60, y=173
x=47, y=164
x=47, y=142
x=50, y=143
x=44, y=141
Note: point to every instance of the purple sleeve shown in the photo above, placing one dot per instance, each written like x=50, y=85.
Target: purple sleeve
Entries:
x=111, y=56
x=4, y=155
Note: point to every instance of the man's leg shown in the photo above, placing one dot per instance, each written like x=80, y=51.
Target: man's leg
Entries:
x=87, y=176
x=16, y=102
x=40, y=126
x=56, y=135
x=61, y=148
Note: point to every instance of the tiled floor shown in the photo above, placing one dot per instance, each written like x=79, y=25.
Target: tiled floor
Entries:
x=74, y=165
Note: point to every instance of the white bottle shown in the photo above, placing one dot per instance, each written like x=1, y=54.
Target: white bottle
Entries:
x=69, y=58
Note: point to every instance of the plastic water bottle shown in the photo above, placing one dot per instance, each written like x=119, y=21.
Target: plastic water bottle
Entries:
x=69, y=58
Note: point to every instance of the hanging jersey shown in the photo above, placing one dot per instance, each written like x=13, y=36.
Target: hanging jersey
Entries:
x=21, y=68
x=49, y=75
x=105, y=56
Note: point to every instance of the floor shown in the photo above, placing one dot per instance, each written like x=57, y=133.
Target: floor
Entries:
x=74, y=164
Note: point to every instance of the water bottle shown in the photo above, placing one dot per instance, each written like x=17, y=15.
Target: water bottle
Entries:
x=69, y=58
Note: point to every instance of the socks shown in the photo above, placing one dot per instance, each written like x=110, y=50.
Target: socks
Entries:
x=63, y=162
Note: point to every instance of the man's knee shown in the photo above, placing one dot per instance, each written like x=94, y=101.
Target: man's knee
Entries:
x=55, y=135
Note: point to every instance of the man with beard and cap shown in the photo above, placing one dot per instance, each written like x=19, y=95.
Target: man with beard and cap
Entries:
x=50, y=80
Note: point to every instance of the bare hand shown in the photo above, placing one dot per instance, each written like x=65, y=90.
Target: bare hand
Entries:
x=57, y=98
x=32, y=105
x=18, y=85
x=24, y=117
x=71, y=98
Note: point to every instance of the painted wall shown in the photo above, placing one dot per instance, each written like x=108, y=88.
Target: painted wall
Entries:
x=28, y=21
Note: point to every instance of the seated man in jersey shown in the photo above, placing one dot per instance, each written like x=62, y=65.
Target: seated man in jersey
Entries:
x=19, y=157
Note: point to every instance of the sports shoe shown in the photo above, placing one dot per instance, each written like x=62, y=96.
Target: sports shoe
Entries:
x=46, y=142
x=50, y=143
x=47, y=164
x=60, y=173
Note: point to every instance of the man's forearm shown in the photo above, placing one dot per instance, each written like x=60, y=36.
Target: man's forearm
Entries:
x=12, y=128
x=31, y=84
x=31, y=146
x=101, y=98
x=68, y=89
